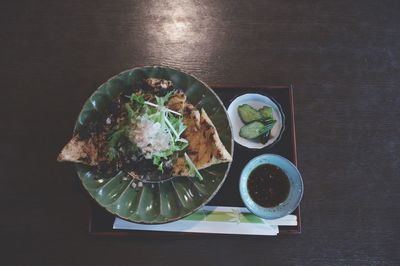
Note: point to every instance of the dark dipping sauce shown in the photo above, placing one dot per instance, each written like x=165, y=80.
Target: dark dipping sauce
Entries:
x=268, y=185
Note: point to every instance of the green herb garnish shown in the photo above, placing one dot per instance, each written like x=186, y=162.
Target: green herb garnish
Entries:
x=192, y=167
x=138, y=98
x=170, y=123
x=131, y=112
x=114, y=143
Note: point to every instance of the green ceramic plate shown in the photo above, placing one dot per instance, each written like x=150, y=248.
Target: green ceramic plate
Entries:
x=158, y=201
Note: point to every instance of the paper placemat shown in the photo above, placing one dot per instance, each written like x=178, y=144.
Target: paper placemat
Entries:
x=216, y=220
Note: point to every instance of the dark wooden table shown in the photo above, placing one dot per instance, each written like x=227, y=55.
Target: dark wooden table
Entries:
x=343, y=58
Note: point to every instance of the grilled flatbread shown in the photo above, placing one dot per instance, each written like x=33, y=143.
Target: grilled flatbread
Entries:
x=177, y=102
x=89, y=151
x=205, y=147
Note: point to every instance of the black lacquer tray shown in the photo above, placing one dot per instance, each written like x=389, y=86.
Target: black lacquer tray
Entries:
x=101, y=222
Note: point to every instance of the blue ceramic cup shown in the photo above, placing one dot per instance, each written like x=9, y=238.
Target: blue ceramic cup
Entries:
x=295, y=191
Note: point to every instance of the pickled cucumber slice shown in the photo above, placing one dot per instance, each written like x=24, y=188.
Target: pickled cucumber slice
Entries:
x=257, y=131
x=266, y=112
x=253, y=130
x=248, y=114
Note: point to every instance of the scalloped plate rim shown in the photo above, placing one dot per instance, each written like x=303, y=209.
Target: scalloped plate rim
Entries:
x=168, y=220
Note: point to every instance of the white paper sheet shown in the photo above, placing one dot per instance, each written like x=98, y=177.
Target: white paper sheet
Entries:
x=216, y=220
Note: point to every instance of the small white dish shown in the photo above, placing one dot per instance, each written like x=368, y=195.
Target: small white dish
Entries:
x=257, y=101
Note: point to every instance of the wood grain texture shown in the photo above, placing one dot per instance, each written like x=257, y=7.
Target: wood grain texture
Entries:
x=342, y=56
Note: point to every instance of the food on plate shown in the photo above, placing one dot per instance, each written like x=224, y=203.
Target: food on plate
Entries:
x=150, y=131
x=266, y=113
x=248, y=114
x=205, y=147
x=253, y=130
x=258, y=123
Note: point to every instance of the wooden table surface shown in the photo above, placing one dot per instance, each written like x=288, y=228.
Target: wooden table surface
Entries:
x=343, y=58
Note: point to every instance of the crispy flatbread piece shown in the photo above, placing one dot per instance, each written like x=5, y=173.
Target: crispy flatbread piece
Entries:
x=89, y=151
x=205, y=147
x=177, y=101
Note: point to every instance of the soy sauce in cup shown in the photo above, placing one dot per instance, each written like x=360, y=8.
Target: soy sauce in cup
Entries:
x=268, y=185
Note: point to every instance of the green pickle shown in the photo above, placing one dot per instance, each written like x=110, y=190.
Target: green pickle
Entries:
x=257, y=131
x=253, y=130
x=248, y=114
x=266, y=112
x=258, y=123
x=264, y=137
